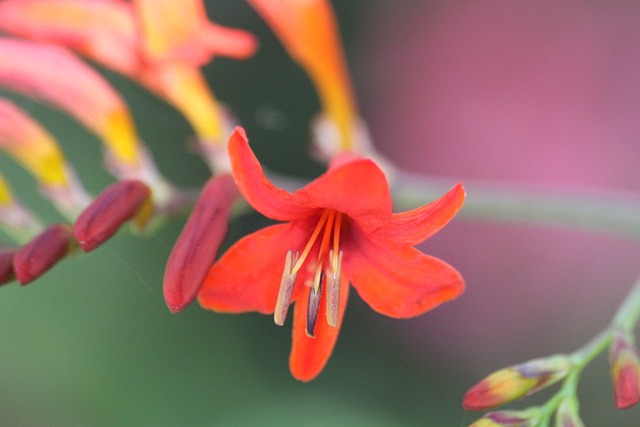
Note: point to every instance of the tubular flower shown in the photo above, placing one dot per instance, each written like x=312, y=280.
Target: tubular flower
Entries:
x=309, y=32
x=339, y=231
x=32, y=146
x=159, y=44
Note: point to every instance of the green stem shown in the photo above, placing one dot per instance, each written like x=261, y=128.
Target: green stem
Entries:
x=610, y=211
x=629, y=312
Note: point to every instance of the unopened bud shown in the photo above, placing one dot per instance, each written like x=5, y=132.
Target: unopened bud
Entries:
x=198, y=244
x=625, y=370
x=43, y=252
x=516, y=381
x=117, y=204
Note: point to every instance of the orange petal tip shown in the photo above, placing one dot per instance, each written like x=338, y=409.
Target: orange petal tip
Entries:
x=113, y=207
x=43, y=252
x=198, y=244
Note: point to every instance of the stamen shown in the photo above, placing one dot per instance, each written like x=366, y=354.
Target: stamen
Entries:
x=334, y=274
x=286, y=289
x=313, y=305
x=336, y=241
x=312, y=240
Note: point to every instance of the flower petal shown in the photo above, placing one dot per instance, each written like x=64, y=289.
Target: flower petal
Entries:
x=246, y=278
x=398, y=282
x=261, y=194
x=54, y=75
x=103, y=30
x=309, y=32
x=356, y=188
x=415, y=226
x=310, y=355
x=178, y=30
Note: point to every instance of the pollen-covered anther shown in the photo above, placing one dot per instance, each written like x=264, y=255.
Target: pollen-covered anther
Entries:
x=334, y=275
x=313, y=306
x=286, y=288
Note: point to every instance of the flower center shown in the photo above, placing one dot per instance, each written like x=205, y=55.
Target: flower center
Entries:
x=325, y=235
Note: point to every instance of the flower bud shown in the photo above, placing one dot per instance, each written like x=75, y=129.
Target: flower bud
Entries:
x=43, y=252
x=113, y=207
x=515, y=382
x=528, y=418
x=625, y=370
x=198, y=244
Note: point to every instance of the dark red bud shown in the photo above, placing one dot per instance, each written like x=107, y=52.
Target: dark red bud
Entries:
x=198, y=244
x=6, y=265
x=113, y=207
x=43, y=252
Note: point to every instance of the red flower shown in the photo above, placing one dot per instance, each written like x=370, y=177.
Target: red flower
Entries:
x=339, y=230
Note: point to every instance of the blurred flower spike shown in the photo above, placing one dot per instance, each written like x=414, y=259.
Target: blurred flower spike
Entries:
x=338, y=231
x=516, y=381
x=625, y=370
x=527, y=418
x=159, y=44
x=309, y=32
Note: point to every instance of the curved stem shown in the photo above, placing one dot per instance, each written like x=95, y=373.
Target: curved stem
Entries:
x=611, y=211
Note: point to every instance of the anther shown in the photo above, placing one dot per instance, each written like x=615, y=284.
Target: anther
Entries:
x=286, y=289
x=334, y=274
x=313, y=306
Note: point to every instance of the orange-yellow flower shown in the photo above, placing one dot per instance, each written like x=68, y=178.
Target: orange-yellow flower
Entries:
x=309, y=32
x=338, y=231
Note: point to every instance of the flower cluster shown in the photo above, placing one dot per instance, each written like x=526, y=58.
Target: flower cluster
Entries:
x=337, y=232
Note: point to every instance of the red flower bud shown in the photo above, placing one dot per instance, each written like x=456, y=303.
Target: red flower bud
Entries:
x=6, y=265
x=625, y=370
x=43, y=252
x=113, y=207
x=198, y=244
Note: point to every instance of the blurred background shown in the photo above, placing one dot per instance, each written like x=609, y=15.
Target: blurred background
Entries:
x=537, y=93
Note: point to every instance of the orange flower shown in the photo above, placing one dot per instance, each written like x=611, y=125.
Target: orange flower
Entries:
x=339, y=230
x=308, y=30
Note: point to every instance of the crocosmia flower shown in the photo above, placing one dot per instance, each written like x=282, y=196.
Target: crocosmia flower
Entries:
x=338, y=231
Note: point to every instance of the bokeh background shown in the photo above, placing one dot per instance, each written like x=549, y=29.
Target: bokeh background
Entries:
x=536, y=93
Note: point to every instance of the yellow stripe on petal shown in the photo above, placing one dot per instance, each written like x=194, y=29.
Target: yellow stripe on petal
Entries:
x=186, y=89
x=309, y=32
x=54, y=75
x=6, y=199
x=30, y=145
